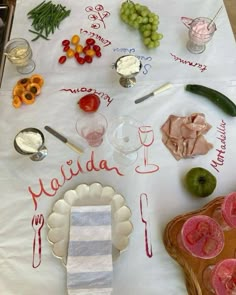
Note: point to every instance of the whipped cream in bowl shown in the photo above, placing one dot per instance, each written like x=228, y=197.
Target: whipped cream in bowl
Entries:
x=30, y=141
x=128, y=65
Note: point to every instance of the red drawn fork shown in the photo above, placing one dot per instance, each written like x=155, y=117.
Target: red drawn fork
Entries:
x=37, y=224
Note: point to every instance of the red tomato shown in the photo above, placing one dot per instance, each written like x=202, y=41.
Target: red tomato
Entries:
x=98, y=53
x=80, y=60
x=88, y=59
x=96, y=48
x=65, y=42
x=62, y=59
x=86, y=48
x=90, y=41
x=66, y=48
x=76, y=55
x=89, y=103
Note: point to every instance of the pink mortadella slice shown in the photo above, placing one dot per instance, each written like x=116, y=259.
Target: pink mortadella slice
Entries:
x=202, y=237
x=229, y=209
x=223, y=277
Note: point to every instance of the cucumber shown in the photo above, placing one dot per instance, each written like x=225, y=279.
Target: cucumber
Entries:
x=214, y=96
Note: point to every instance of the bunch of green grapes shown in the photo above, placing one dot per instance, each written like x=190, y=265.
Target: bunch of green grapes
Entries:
x=140, y=17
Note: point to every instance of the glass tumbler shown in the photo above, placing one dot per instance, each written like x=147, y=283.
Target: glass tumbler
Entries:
x=19, y=53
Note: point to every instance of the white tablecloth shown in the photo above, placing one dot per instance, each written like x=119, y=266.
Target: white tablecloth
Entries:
x=134, y=271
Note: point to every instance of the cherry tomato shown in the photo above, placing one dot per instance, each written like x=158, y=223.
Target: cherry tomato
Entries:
x=75, y=39
x=89, y=103
x=90, y=52
x=80, y=60
x=70, y=53
x=88, y=59
x=79, y=48
x=96, y=48
x=90, y=41
x=62, y=59
x=98, y=54
x=66, y=48
x=86, y=48
x=76, y=55
x=65, y=42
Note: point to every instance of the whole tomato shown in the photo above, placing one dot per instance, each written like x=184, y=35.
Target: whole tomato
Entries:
x=89, y=103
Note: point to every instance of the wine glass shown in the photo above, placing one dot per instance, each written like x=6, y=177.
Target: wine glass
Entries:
x=146, y=137
x=19, y=53
x=123, y=136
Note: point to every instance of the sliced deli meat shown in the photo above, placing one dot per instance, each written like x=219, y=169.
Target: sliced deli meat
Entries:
x=184, y=136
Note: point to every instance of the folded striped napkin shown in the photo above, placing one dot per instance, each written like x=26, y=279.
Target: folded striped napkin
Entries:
x=89, y=261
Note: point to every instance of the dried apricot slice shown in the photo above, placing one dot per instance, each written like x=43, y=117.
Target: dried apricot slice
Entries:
x=38, y=79
x=28, y=97
x=16, y=101
x=34, y=88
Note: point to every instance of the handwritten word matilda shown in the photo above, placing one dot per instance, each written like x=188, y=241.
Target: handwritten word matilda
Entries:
x=96, y=36
x=220, y=157
x=67, y=172
x=201, y=67
x=90, y=90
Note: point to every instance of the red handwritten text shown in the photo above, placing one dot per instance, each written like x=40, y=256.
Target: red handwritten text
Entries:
x=96, y=36
x=84, y=89
x=201, y=67
x=67, y=173
x=220, y=157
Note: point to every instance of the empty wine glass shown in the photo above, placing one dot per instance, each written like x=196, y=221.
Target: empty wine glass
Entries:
x=19, y=53
x=123, y=136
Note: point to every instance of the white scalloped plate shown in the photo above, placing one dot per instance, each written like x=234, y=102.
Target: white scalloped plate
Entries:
x=89, y=195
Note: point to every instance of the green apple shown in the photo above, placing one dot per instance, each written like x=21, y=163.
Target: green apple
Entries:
x=200, y=182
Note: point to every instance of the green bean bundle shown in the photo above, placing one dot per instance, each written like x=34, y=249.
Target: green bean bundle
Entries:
x=46, y=18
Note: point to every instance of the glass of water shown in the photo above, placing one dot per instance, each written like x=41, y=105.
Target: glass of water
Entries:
x=19, y=53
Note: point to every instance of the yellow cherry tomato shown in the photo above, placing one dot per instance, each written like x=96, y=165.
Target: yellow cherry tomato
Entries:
x=79, y=48
x=70, y=52
x=75, y=39
x=90, y=52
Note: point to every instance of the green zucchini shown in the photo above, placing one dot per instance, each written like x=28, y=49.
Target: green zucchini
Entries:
x=214, y=96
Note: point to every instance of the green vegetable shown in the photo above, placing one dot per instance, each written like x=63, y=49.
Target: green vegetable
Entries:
x=214, y=96
x=46, y=18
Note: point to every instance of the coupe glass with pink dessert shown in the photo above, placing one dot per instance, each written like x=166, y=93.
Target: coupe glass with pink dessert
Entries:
x=201, y=236
x=220, y=279
x=201, y=31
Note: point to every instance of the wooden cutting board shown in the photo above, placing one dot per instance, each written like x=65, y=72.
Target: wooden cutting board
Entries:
x=194, y=267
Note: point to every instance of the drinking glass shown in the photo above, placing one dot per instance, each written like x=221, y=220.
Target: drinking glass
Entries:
x=225, y=215
x=92, y=127
x=146, y=136
x=220, y=278
x=123, y=136
x=201, y=236
x=19, y=53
